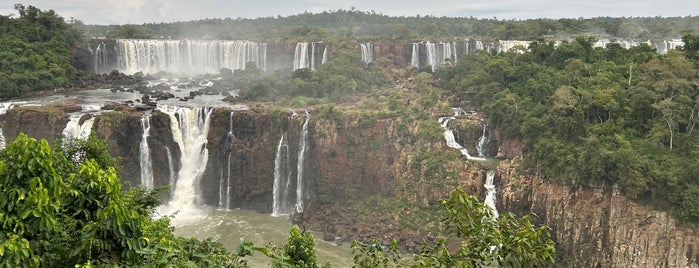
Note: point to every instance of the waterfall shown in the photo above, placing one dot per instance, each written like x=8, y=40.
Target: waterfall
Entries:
x=451, y=140
x=482, y=143
x=281, y=178
x=187, y=56
x=415, y=57
x=367, y=52
x=490, y=192
x=325, y=56
x=490, y=175
x=75, y=130
x=436, y=54
x=171, y=167
x=144, y=154
x=4, y=106
x=224, y=192
x=300, y=162
x=301, y=56
x=190, y=127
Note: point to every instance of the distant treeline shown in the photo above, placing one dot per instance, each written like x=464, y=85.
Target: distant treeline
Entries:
x=370, y=25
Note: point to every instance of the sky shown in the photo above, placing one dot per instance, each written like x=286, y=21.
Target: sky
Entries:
x=146, y=11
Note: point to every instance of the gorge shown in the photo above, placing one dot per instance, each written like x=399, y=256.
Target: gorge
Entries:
x=230, y=159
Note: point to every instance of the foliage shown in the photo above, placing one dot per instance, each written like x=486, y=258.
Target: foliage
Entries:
x=483, y=241
x=298, y=252
x=352, y=23
x=34, y=51
x=604, y=117
x=61, y=211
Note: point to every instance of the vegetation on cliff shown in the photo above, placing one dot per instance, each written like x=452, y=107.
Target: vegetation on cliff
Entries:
x=35, y=52
x=599, y=117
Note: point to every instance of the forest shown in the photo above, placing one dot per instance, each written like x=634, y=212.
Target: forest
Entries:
x=369, y=25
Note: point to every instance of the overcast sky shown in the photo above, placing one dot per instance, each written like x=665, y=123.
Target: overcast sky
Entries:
x=142, y=11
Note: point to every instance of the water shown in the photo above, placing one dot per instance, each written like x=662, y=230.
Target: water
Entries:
x=228, y=226
x=282, y=179
x=436, y=54
x=224, y=200
x=75, y=130
x=301, y=56
x=190, y=127
x=300, y=162
x=366, y=51
x=482, y=144
x=187, y=56
x=451, y=140
x=489, y=200
x=144, y=154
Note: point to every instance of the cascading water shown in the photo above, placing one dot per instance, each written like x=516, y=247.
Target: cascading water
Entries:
x=75, y=129
x=4, y=106
x=190, y=127
x=188, y=56
x=490, y=192
x=171, y=167
x=281, y=178
x=490, y=175
x=451, y=140
x=224, y=195
x=144, y=154
x=301, y=56
x=482, y=143
x=415, y=57
x=366, y=51
x=325, y=56
x=300, y=162
x=436, y=54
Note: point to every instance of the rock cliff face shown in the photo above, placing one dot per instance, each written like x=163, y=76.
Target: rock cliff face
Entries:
x=597, y=227
x=353, y=157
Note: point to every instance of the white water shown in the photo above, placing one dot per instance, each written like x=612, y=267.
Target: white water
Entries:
x=415, y=56
x=4, y=106
x=281, y=177
x=301, y=56
x=325, y=56
x=482, y=143
x=144, y=153
x=490, y=192
x=224, y=195
x=437, y=54
x=190, y=127
x=490, y=175
x=75, y=130
x=451, y=140
x=366, y=51
x=171, y=167
x=301, y=160
x=187, y=56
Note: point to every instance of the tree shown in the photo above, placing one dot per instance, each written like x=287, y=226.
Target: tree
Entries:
x=62, y=211
x=483, y=241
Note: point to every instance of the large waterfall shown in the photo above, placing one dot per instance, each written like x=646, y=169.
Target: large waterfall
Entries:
x=282, y=203
x=190, y=127
x=144, y=154
x=224, y=191
x=187, y=56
